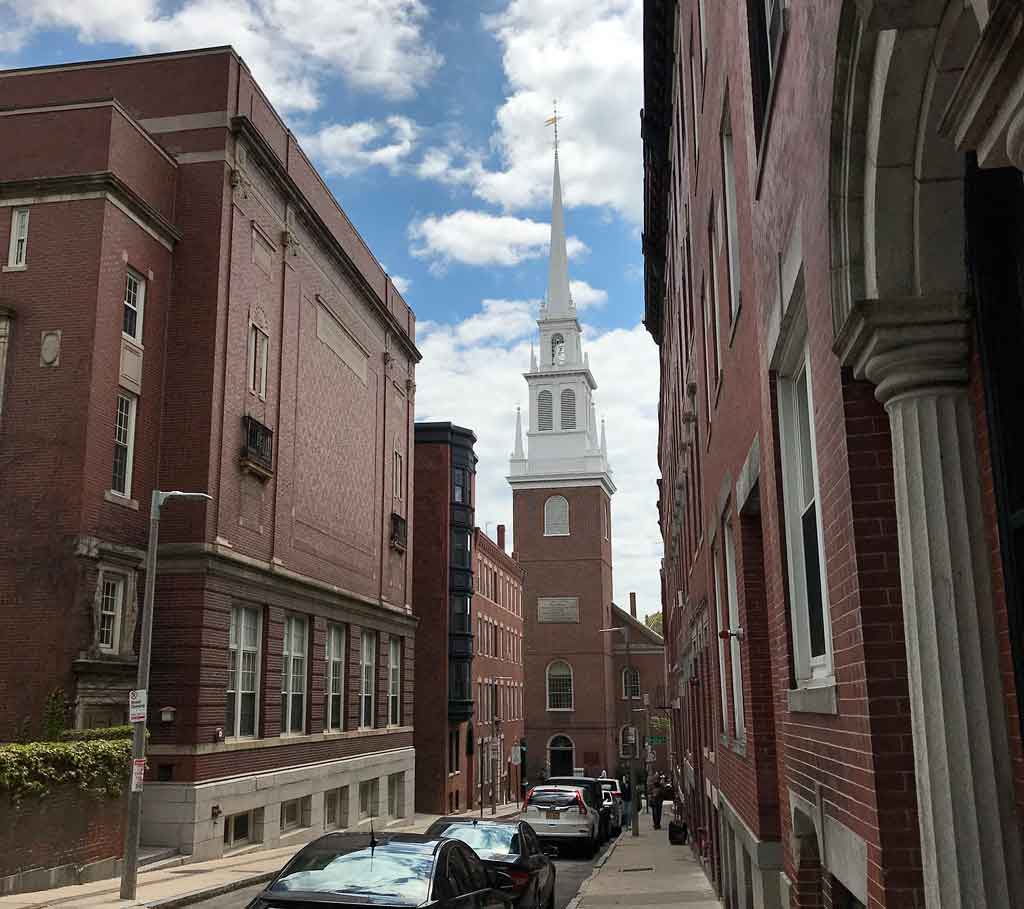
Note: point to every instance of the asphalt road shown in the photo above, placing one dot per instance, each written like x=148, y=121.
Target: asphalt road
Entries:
x=570, y=872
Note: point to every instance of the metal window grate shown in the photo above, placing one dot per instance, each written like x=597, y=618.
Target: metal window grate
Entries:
x=258, y=443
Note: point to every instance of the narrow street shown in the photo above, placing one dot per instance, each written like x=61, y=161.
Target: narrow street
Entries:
x=571, y=871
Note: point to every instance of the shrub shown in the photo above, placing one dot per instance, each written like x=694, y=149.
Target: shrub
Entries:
x=99, y=767
x=95, y=735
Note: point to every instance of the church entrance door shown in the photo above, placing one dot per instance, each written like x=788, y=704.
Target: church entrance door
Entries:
x=561, y=752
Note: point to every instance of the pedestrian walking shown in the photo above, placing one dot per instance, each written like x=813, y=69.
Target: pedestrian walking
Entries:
x=627, y=803
x=656, y=796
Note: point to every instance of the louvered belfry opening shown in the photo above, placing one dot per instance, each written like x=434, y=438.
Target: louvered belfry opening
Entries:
x=568, y=409
x=545, y=412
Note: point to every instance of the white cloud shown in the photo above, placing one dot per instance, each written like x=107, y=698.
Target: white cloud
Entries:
x=345, y=149
x=291, y=46
x=402, y=285
x=471, y=374
x=453, y=165
x=583, y=295
x=479, y=238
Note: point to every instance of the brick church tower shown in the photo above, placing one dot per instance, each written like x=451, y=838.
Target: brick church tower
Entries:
x=562, y=489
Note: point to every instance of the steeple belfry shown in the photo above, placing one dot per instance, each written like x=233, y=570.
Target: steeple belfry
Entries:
x=562, y=433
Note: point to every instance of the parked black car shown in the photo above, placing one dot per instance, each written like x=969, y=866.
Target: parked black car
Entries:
x=508, y=847
x=591, y=787
x=386, y=871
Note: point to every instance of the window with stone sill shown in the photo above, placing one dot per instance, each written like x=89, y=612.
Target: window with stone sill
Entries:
x=124, y=444
x=334, y=678
x=367, y=677
x=113, y=587
x=293, y=677
x=240, y=713
x=17, y=255
x=133, y=305
x=808, y=590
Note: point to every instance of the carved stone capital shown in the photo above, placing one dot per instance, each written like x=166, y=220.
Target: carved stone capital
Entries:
x=986, y=112
x=907, y=345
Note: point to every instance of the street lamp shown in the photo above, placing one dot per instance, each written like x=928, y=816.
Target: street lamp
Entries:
x=634, y=794
x=130, y=875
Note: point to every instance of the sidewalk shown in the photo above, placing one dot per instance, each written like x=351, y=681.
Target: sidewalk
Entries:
x=647, y=871
x=171, y=883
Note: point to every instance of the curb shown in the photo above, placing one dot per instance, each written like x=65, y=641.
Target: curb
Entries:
x=197, y=896
x=598, y=865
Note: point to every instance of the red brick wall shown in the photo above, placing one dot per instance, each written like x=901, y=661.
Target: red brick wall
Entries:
x=66, y=827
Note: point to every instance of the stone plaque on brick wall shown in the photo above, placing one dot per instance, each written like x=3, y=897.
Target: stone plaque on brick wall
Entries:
x=558, y=609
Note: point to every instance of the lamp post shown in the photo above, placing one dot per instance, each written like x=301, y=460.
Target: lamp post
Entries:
x=634, y=794
x=130, y=875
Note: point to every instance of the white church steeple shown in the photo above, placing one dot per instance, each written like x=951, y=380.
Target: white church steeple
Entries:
x=563, y=437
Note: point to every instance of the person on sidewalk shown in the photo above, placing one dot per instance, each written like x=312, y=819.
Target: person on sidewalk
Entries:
x=656, y=797
x=627, y=804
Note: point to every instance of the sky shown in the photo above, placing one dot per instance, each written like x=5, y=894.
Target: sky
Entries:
x=427, y=119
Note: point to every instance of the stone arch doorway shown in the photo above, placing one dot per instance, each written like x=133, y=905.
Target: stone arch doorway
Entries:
x=561, y=755
x=911, y=99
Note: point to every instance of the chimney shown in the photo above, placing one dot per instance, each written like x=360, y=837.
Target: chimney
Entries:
x=501, y=537
x=632, y=604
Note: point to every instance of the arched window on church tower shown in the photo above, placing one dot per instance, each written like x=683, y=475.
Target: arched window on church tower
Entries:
x=545, y=412
x=556, y=517
x=630, y=682
x=560, y=695
x=568, y=409
x=557, y=347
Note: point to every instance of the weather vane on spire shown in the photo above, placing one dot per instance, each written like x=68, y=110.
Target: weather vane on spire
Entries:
x=553, y=121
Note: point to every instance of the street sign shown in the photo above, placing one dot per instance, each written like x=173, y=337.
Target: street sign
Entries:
x=138, y=702
x=138, y=771
x=657, y=740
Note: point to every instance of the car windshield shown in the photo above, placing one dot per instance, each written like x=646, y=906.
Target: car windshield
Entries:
x=489, y=841
x=370, y=874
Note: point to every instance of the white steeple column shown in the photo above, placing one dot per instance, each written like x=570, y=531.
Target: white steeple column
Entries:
x=916, y=352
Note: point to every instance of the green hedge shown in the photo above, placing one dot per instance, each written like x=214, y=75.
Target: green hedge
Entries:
x=93, y=735
x=98, y=767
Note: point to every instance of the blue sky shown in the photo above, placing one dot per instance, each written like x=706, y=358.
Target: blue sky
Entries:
x=427, y=120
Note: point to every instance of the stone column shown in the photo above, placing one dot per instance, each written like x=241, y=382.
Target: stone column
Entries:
x=916, y=352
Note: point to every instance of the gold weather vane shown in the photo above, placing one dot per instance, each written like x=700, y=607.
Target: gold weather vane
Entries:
x=553, y=121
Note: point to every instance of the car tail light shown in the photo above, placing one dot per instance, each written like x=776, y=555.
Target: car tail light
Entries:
x=519, y=878
x=526, y=801
x=580, y=802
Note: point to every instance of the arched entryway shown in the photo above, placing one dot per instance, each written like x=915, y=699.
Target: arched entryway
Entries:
x=561, y=755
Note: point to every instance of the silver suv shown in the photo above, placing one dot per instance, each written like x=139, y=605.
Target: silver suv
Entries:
x=562, y=814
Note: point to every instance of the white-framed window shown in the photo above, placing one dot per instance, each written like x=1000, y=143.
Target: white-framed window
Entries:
x=556, y=517
x=545, y=412
x=334, y=678
x=631, y=682
x=112, y=593
x=735, y=652
x=243, y=829
x=702, y=25
x=293, y=676
x=398, y=475
x=134, y=305
x=568, y=398
x=369, y=798
x=731, y=214
x=693, y=103
x=240, y=708
x=812, y=632
x=124, y=444
x=295, y=813
x=336, y=808
x=713, y=301
x=559, y=686
x=259, y=349
x=17, y=255
x=394, y=681
x=368, y=679
x=723, y=691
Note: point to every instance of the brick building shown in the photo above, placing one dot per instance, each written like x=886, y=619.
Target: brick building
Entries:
x=561, y=491
x=497, y=669
x=443, y=570
x=468, y=599
x=185, y=306
x=833, y=214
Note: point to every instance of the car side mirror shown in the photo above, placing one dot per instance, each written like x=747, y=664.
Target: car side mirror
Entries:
x=551, y=851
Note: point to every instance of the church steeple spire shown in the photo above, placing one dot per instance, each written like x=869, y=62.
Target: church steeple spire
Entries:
x=559, y=301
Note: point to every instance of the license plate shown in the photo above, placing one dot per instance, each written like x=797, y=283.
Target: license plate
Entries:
x=552, y=815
